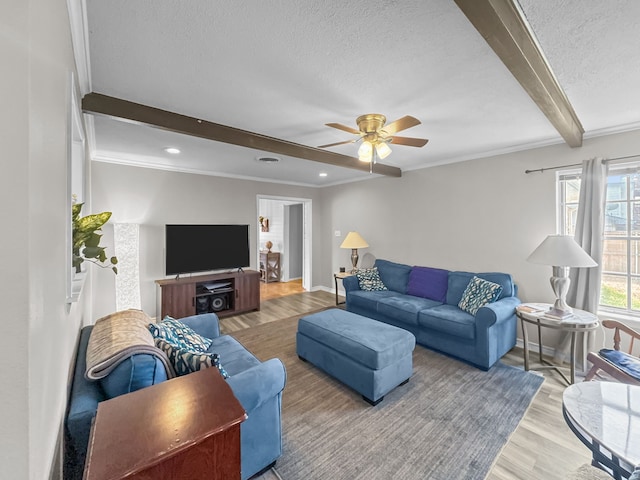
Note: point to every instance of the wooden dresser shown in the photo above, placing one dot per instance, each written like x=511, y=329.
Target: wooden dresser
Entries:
x=186, y=427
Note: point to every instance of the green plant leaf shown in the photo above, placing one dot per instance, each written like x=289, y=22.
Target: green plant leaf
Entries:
x=93, y=240
x=85, y=241
x=93, y=252
x=75, y=211
x=91, y=223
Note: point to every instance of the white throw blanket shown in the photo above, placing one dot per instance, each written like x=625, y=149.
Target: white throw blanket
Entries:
x=115, y=338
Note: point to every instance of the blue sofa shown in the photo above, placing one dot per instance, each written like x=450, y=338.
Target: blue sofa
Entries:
x=425, y=302
x=257, y=385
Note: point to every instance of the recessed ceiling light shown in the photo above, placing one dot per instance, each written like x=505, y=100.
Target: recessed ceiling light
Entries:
x=323, y=174
x=172, y=150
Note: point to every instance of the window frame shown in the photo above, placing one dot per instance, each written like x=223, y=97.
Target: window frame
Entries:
x=626, y=168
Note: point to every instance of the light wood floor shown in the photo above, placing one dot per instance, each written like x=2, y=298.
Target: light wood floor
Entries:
x=541, y=448
x=279, y=289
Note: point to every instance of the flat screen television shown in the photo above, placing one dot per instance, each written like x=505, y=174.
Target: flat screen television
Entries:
x=199, y=248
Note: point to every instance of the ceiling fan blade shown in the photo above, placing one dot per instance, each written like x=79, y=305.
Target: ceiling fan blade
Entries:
x=411, y=142
x=338, y=143
x=401, y=124
x=339, y=126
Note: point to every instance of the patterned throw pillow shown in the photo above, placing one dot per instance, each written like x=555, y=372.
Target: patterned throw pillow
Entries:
x=185, y=361
x=369, y=279
x=478, y=293
x=179, y=334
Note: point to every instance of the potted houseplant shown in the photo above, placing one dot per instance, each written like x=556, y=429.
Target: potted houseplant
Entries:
x=86, y=239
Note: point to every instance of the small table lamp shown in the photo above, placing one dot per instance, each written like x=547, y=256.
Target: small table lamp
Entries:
x=561, y=252
x=354, y=241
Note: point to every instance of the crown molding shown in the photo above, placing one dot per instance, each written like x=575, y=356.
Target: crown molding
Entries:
x=80, y=42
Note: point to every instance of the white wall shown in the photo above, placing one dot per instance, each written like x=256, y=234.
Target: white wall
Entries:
x=481, y=215
x=154, y=198
x=273, y=210
x=39, y=328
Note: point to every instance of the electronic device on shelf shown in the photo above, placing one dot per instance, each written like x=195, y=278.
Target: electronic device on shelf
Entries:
x=201, y=248
x=216, y=286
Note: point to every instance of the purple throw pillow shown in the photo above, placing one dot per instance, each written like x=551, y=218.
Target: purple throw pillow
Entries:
x=428, y=283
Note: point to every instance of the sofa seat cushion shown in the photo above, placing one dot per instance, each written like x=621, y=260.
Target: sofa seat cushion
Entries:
x=449, y=319
x=369, y=342
x=368, y=300
x=395, y=276
x=625, y=362
x=234, y=358
x=405, y=308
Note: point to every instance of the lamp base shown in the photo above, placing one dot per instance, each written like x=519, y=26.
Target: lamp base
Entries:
x=354, y=259
x=560, y=284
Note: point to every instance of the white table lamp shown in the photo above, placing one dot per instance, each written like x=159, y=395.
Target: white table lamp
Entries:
x=354, y=241
x=561, y=252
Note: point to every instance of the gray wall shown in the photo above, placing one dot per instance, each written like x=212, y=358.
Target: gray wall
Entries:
x=153, y=198
x=480, y=215
x=293, y=215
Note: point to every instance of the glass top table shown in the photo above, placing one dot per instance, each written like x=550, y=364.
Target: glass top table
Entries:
x=605, y=416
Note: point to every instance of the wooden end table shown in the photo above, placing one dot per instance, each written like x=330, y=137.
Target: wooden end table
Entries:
x=580, y=322
x=186, y=427
x=341, y=276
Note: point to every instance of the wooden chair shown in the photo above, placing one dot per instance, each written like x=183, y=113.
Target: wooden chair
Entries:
x=601, y=363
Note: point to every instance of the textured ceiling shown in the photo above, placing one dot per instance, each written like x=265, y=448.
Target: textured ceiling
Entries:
x=284, y=69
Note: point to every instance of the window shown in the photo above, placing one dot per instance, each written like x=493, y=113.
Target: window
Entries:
x=620, y=289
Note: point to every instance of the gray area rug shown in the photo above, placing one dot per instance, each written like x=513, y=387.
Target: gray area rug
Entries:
x=449, y=422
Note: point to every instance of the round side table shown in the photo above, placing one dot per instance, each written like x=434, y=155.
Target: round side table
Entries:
x=580, y=322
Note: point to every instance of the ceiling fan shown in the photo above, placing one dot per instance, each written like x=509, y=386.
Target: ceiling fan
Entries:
x=376, y=136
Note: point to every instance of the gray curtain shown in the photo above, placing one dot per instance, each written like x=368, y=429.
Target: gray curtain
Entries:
x=584, y=290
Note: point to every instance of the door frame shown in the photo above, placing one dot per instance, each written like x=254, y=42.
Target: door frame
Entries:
x=307, y=233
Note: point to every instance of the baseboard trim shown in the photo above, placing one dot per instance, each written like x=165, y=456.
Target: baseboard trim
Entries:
x=533, y=348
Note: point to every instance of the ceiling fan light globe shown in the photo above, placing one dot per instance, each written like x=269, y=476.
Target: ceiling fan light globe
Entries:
x=365, y=151
x=383, y=150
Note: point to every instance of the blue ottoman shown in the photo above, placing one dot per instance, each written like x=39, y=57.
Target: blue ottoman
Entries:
x=369, y=356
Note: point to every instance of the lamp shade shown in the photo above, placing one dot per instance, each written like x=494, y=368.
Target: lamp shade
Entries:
x=561, y=251
x=354, y=240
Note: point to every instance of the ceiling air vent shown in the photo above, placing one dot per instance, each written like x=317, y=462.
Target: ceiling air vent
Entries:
x=269, y=160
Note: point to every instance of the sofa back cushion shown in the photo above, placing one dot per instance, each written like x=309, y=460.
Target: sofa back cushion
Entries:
x=395, y=276
x=133, y=373
x=427, y=282
x=458, y=282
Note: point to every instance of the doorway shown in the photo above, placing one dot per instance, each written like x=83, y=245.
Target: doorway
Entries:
x=286, y=223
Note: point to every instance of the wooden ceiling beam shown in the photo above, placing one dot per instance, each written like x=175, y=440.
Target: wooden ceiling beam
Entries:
x=504, y=27
x=98, y=104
